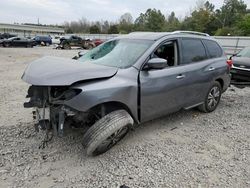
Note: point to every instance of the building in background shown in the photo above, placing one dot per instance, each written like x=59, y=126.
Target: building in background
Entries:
x=30, y=30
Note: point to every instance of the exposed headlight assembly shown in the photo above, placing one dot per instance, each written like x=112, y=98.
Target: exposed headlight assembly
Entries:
x=63, y=93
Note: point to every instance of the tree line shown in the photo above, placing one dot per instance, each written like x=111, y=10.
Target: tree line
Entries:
x=233, y=18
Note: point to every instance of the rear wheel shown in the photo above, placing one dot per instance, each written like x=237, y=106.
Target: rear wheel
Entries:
x=107, y=132
x=212, y=98
x=28, y=46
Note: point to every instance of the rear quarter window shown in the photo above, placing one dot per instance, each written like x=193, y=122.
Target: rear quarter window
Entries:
x=192, y=51
x=214, y=50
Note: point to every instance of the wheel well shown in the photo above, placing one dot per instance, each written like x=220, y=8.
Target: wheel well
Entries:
x=108, y=107
x=221, y=82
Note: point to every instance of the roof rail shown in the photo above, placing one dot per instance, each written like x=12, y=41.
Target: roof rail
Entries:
x=191, y=32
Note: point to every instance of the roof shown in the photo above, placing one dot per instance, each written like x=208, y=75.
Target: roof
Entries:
x=145, y=35
x=158, y=35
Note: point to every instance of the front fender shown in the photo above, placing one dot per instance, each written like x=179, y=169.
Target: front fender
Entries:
x=122, y=88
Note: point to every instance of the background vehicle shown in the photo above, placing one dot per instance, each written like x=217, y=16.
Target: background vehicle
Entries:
x=43, y=40
x=132, y=78
x=7, y=35
x=241, y=68
x=17, y=42
x=56, y=39
x=98, y=42
x=75, y=41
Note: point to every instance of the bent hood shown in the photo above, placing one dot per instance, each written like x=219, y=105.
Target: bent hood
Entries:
x=56, y=71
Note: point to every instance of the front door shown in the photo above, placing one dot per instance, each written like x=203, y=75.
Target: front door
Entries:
x=162, y=90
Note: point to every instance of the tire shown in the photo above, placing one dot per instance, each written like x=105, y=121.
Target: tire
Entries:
x=212, y=98
x=66, y=46
x=90, y=46
x=28, y=46
x=107, y=132
x=47, y=44
x=6, y=44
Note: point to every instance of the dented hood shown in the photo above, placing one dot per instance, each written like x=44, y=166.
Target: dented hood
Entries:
x=56, y=71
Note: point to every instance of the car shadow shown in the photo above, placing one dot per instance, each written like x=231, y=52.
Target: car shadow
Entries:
x=71, y=144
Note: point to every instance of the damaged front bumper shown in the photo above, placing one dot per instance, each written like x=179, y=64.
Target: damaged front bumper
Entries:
x=49, y=118
x=49, y=111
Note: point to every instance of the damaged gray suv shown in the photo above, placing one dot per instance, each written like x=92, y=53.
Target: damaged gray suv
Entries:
x=130, y=79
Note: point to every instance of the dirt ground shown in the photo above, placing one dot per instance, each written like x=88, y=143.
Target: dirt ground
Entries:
x=185, y=149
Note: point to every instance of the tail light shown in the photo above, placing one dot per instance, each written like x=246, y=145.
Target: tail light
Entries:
x=230, y=63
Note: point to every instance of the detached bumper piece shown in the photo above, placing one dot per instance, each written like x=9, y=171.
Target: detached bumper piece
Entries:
x=61, y=123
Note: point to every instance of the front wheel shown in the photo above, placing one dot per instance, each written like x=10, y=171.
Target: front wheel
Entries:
x=212, y=98
x=107, y=132
x=6, y=44
x=90, y=46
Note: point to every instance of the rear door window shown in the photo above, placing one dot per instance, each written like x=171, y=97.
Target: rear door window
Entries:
x=192, y=51
x=214, y=50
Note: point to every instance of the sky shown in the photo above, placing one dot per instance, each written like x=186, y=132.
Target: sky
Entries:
x=58, y=11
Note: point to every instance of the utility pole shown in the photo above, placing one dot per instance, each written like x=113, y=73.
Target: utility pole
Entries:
x=38, y=22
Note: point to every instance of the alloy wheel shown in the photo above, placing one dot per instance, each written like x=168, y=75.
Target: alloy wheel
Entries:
x=112, y=140
x=213, y=97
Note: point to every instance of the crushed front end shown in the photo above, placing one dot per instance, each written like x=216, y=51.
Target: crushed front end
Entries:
x=49, y=110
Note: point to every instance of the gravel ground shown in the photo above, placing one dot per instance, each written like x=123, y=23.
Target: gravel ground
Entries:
x=185, y=149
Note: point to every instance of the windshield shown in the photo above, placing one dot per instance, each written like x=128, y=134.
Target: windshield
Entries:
x=244, y=53
x=121, y=53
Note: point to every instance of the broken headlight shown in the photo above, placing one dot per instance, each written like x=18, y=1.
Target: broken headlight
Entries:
x=63, y=93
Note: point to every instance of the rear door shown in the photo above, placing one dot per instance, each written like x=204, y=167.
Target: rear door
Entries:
x=218, y=60
x=16, y=42
x=23, y=42
x=198, y=71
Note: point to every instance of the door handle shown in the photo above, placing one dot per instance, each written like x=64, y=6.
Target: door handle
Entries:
x=180, y=76
x=211, y=69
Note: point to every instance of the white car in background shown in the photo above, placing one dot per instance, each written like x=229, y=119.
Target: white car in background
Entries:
x=56, y=39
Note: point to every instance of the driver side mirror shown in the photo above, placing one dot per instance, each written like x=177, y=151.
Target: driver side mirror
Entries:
x=156, y=63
